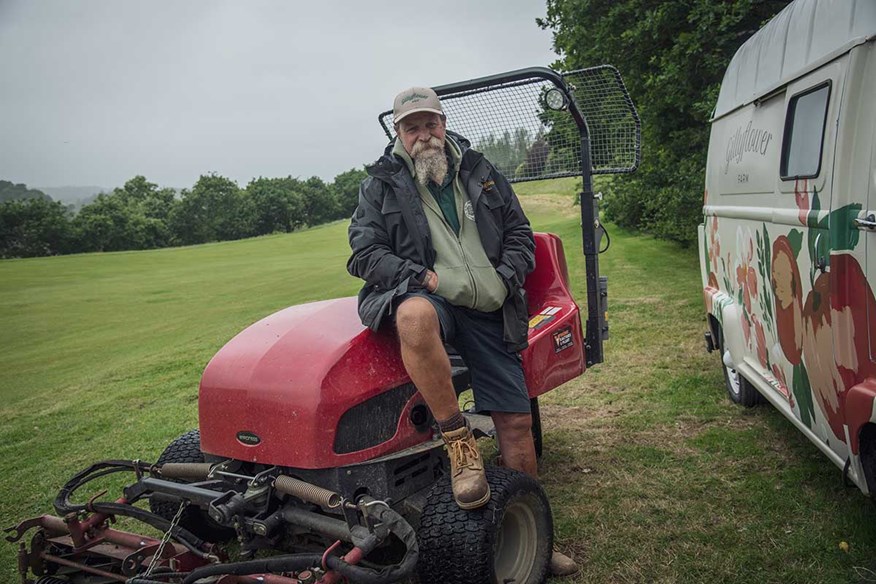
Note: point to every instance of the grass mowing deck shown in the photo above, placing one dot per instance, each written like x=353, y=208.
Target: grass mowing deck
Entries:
x=653, y=475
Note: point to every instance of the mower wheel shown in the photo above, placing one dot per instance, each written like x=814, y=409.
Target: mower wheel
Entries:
x=510, y=539
x=187, y=448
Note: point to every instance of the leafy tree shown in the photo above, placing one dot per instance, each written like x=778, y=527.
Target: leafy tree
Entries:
x=345, y=188
x=672, y=55
x=108, y=224
x=215, y=209
x=319, y=205
x=132, y=217
x=277, y=203
x=33, y=227
x=507, y=151
x=151, y=200
x=536, y=158
x=153, y=205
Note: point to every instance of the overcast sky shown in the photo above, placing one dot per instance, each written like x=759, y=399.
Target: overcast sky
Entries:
x=94, y=92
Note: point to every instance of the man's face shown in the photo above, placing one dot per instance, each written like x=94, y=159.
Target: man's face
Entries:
x=417, y=131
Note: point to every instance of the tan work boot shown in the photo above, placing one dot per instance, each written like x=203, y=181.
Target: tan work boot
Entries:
x=562, y=565
x=467, y=477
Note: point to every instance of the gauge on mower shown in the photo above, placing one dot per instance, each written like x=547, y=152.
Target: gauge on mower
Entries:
x=316, y=457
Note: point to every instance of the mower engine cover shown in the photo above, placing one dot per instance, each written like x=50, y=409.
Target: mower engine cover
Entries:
x=307, y=387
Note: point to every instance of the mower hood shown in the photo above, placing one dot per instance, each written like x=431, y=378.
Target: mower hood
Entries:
x=276, y=393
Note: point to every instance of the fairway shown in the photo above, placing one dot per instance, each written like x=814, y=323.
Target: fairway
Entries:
x=653, y=475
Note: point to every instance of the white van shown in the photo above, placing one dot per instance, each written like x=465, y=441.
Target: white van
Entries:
x=788, y=242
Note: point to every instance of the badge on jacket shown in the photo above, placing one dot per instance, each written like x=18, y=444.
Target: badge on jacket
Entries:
x=468, y=209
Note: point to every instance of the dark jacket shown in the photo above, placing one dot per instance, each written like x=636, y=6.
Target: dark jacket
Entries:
x=392, y=244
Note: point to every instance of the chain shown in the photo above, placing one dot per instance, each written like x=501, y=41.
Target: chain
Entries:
x=157, y=557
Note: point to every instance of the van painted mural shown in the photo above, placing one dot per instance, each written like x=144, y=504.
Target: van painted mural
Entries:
x=811, y=324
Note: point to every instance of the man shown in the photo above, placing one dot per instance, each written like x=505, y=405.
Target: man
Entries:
x=444, y=248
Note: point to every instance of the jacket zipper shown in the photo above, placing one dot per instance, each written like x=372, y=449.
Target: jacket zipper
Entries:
x=471, y=279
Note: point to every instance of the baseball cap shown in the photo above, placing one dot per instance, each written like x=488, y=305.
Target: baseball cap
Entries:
x=413, y=100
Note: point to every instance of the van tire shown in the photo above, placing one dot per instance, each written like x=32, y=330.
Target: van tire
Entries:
x=739, y=389
x=867, y=449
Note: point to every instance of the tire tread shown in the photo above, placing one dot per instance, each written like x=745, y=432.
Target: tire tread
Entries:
x=457, y=545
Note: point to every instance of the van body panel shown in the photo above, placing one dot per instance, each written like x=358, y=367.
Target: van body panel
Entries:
x=801, y=38
x=787, y=255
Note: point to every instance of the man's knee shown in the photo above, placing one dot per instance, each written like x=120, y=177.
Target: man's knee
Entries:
x=513, y=425
x=417, y=322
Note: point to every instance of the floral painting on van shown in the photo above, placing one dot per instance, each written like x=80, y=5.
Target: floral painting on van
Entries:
x=814, y=336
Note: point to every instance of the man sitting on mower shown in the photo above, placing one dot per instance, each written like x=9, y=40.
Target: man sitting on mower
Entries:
x=444, y=248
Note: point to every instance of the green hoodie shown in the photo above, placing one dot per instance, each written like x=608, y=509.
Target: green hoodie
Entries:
x=465, y=275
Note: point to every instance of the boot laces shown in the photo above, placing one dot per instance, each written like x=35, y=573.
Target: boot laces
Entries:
x=463, y=453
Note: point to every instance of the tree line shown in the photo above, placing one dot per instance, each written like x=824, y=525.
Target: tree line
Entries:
x=141, y=215
x=672, y=55
x=13, y=192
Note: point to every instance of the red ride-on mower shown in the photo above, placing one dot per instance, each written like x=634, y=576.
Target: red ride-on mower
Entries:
x=317, y=460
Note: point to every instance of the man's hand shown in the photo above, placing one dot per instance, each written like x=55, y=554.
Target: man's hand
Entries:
x=431, y=281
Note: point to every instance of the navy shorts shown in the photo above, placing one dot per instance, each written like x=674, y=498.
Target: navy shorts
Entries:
x=496, y=373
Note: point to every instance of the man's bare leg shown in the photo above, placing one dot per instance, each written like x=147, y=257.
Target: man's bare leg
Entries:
x=424, y=356
x=427, y=363
x=514, y=432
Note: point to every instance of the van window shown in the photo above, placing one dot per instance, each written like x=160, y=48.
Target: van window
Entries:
x=804, y=133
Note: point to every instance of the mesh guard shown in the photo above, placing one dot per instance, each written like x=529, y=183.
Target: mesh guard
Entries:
x=506, y=118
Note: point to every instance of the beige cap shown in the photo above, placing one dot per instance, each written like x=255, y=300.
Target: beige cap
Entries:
x=413, y=100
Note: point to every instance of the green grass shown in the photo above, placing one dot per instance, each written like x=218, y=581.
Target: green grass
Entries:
x=652, y=474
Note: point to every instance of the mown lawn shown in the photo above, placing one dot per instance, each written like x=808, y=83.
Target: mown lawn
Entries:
x=653, y=475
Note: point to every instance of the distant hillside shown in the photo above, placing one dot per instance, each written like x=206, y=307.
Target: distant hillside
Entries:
x=76, y=196
x=13, y=192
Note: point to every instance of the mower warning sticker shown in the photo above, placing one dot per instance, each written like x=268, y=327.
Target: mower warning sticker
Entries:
x=547, y=314
x=563, y=339
x=539, y=320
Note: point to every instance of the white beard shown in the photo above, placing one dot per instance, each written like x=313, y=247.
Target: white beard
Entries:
x=430, y=162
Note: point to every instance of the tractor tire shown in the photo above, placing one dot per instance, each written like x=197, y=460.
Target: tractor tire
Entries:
x=187, y=448
x=510, y=539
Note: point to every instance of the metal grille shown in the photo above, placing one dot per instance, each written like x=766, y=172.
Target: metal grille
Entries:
x=511, y=124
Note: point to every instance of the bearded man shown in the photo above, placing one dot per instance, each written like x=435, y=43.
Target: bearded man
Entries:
x=444, y=248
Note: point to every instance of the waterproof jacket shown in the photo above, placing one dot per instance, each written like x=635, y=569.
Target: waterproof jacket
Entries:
x=392, y=243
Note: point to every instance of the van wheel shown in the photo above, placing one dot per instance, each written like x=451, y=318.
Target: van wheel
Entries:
x=740, y=390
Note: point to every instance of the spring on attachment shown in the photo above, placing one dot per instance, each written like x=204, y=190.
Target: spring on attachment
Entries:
x=307, y=492
x=193, y=471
